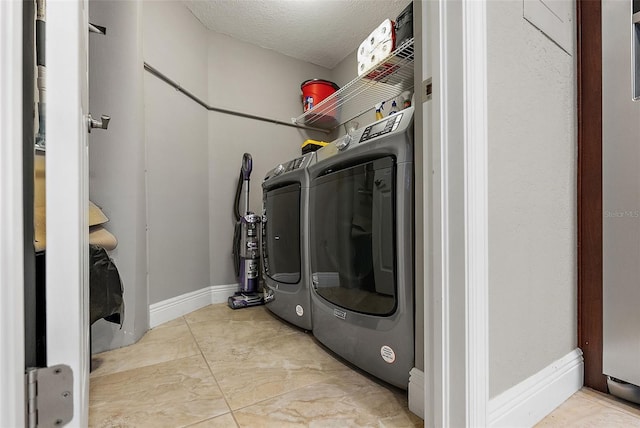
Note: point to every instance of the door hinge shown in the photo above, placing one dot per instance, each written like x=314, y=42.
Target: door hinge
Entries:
x=49, y=396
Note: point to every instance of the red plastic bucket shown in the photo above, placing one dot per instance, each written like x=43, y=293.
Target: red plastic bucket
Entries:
x=315, y=91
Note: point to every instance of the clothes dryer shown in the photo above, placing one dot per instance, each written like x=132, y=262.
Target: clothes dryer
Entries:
x=361, y=247
x=285, y=241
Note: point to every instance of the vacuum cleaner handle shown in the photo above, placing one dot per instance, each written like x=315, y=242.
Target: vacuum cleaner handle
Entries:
x=247, y=166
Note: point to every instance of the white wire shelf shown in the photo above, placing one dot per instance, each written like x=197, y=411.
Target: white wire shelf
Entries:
x=384, y=82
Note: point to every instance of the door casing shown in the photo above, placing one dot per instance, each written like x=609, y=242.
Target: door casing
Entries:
x=589, y=192
x=67, y=178
x=11, y=217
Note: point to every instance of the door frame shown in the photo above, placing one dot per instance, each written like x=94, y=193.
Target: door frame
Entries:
x=589, y=198
x=455, y=189
x=67, y=266
x=11, y=217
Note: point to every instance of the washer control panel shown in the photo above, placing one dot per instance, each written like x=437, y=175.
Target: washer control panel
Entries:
x=297, y=163
x=380, y=128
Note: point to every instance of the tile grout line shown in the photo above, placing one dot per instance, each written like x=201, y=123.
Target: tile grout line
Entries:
x=198, y=350
x=197, y=353
x=224, y=396
x=291, y=333
x=144, y=365
x=333, y=376
x=232, y=411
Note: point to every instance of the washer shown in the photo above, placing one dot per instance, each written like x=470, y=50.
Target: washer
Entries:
x=285, y=244
x=361, y=247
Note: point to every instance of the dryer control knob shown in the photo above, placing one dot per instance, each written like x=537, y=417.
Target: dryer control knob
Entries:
x=344, y=142
x=279, y=170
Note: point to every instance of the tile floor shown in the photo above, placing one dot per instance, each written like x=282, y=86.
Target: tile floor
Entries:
x=588, y=408
x=217, y=367
x=246, y=368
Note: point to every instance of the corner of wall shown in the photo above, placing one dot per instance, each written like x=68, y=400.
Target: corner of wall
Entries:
x=178, y=306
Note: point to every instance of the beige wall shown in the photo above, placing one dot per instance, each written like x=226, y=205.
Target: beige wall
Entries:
x=249, y=79
x=194, y=156
x=176, y=150
x=116, y=159
x=175, y=42
x=532, y=198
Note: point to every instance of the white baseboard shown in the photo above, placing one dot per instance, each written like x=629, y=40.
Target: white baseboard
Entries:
x=416, y=391
x=178, y=306
x=528, y=402
x=220, y=293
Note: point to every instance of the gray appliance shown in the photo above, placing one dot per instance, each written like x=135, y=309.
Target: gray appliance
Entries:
x=285, y=246
x=361, y=247
x=621, y=196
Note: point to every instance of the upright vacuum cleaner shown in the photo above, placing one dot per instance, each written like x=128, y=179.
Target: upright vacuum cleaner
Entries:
x=246, y=248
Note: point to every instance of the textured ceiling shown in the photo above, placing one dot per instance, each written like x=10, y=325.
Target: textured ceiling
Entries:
x=321, y=32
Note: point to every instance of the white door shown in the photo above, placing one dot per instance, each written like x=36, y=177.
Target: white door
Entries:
x=67, y=273
x=67, y=237
x=11, y=223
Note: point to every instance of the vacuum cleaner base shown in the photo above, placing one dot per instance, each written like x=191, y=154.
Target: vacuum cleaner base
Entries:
x=245, y=300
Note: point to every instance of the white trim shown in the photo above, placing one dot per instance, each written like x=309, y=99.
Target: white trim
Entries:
x=456, y=303
x=476, y=210
x=437, y=405
x=528, y=402
x=173, y=308
x=67, y=272
x=11, y=217
x=416, y=391
x=425, y=398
